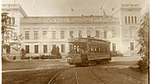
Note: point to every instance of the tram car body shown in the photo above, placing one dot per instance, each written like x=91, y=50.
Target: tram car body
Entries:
x=85, y=51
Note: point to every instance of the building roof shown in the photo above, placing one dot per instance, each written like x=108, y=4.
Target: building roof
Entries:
x=69, y=19
x=8, y=7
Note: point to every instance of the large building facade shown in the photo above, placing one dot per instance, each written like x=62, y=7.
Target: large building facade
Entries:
x=42, y=33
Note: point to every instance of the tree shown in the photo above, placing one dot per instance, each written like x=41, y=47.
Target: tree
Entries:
x=23, y=53
x=55, y=52
x=58, y=53
x=9, y=38
x=143, y=34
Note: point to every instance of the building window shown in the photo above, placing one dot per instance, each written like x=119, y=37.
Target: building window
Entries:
x=132, y=19
x=62, y=34
x=7, y=49
x=45, y=48
x=44, y=34
x=53, y=46
x=26, y=34
x=27, y=48
x=131, y=45
x=88, y=33
x=128, y=19
x=80, y=33
x=70, y=47
x=71, y=34
x=35, y=48
x=105, y=34
x=125, y=19
x=97, y=33
x=35, y=34
x=135, y=19
x=113, y=34
x=53, y=34
x=113, y=47
x=62, y=48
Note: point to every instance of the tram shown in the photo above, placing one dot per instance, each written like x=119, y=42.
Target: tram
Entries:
x=88, y=51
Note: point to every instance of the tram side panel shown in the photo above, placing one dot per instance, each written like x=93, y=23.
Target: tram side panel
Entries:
x=98, y=56
x=102, y=53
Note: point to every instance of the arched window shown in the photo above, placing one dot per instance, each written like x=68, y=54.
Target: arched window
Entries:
x=128, y=19
x=132, y=19
x=125, y=19
x=135, y=19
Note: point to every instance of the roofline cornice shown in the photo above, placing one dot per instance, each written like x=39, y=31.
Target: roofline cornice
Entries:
x=8, y=7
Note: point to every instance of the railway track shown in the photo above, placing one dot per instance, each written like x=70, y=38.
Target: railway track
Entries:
x=77, y=78
x=100, y=81
x=52, y=79
x=56, y=75
x=96, y=77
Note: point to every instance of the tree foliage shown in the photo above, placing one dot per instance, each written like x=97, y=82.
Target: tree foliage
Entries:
x=55, y=51
x=9, y=36
x=143, y=34
x=23, y=53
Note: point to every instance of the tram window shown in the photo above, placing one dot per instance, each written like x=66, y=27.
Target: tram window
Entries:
x=102, y=50
x=89, y=48
x=105, y=49
x=94, y=50
x=75, y=49
x=99, y=50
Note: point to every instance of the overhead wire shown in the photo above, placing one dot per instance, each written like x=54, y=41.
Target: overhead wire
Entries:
x=71, y=8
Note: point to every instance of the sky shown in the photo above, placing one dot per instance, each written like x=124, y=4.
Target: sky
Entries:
x=71, y=7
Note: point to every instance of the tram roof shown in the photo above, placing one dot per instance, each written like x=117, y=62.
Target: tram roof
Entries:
x=85, y=40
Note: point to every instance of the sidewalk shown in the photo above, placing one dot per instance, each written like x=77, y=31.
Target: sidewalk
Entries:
x=126, y=58
x=4, y=71
x=51, y=60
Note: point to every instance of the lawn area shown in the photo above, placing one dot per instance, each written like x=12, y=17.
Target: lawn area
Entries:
x=29, y=77
x=40, y=64
x=31, y=72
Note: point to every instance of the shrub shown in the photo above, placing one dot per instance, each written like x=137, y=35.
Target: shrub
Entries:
x=143, y=64
x=44, y=56
x=26, y=57
x=36, y=57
